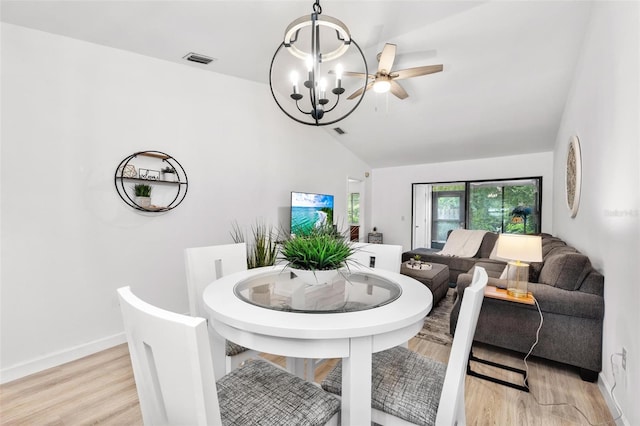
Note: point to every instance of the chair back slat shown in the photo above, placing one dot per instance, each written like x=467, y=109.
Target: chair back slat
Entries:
x=451, y=407
x=171, y=360
x=385, y=256
x=207, y=264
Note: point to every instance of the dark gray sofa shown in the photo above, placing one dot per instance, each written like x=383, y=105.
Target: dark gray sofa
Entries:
x=570, y=293
x=458, y=265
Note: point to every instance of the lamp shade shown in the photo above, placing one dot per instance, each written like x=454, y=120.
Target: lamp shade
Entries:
x=526, y=248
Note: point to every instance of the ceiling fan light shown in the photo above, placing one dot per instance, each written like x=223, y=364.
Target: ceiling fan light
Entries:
x=381, y=86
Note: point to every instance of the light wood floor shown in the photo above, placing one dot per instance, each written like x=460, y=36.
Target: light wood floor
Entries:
x=100, y=389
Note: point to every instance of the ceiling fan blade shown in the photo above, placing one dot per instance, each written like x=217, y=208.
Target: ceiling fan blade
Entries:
x=387, y=57
x=398, y=90
x=359, y=91
x=353, y=74
x=415, y=72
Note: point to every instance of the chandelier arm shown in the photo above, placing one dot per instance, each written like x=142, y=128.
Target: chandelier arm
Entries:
x=334, y=105
x=299, y=109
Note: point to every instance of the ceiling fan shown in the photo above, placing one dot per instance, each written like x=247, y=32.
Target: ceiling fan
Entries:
x=384, y=79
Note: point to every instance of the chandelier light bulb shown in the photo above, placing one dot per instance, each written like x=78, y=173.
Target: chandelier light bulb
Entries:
x=323, y=89
x=309, y=63
x=295, y=77
x=339, y=71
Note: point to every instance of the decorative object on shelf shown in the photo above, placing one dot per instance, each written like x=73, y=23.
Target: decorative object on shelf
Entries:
x=143, y=194
x=169, y=174
x=311, y=255
x=316, y=103
x=128, y=171
x=518, y=248
x=168, y=193
x=149, y=174
x=416, y=263
x=573, y=177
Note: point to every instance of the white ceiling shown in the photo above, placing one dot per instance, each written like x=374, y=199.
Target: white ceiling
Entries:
x=508, y=65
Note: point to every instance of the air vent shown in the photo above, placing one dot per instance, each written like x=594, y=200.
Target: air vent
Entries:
x=339, y=130
x=196, y=57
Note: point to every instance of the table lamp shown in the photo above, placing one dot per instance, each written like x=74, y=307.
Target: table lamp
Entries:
x=519, y=248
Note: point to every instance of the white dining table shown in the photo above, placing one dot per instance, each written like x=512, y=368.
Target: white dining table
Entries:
x=263, y=309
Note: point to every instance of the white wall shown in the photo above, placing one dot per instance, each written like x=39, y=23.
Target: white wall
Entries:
x=71, y=111
x=391, y=212
x=603, y=111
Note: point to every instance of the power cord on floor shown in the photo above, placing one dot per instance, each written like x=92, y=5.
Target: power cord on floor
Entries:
x=557, y=404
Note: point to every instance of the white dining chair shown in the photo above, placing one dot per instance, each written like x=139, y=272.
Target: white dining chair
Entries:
x=377, y=256
x=408, y=388
x=171, y=360
x=204, y=265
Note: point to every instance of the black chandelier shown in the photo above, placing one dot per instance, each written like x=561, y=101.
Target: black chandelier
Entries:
x=316, y=103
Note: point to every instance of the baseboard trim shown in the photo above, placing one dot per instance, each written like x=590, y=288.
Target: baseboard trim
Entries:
x=54, y=359
x=605, y=390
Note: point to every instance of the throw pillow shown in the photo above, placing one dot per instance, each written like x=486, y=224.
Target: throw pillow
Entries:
x=534, y=271
x=565, y=271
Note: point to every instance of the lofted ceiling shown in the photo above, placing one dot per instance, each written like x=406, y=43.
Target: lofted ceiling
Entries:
x=508, y=65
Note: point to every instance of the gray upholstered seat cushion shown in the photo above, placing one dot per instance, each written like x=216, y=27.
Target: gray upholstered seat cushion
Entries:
x=404, y=384
x=232, y=349
x=259, y=393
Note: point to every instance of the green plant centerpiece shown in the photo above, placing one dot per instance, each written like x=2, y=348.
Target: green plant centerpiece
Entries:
x=316, y=256
x=142, y=192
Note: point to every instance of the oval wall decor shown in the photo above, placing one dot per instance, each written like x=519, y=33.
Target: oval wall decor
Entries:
x=573, y=177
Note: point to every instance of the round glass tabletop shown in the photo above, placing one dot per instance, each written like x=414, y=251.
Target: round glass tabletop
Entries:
x=347, y=292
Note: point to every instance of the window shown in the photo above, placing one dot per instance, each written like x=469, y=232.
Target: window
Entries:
x=353, y=208
x=511, y=206
x=447, y=210
x=499, y=205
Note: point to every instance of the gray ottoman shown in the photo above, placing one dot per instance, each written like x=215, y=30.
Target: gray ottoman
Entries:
x=436, y=278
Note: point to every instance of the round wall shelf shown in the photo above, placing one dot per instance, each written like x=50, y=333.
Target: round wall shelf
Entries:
x=153, y=172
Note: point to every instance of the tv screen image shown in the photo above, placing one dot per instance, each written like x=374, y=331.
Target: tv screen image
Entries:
x=310, y=210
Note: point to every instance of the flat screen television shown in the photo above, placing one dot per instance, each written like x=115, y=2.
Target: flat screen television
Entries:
x=310, y=210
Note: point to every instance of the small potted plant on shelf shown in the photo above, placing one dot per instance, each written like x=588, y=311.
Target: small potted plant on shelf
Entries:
x=143, y=195
x=169, y=174
x=317, y=256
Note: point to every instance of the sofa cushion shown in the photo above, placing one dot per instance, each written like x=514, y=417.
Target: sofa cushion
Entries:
x=549, y=244
x=565, y=271
x=559, y=250
x=593, y=283
x=493, y=268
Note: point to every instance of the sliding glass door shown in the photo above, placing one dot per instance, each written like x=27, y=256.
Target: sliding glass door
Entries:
x=498, y=205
